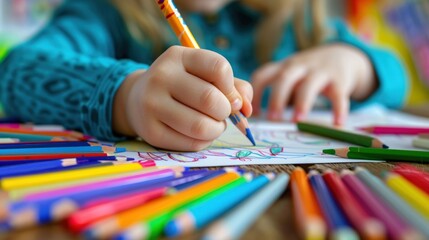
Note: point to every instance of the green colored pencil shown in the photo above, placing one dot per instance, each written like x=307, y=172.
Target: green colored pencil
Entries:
x=342, y=135
x=380, y=154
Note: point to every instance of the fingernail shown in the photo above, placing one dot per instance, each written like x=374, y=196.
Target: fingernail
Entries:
x=298, y=117
x=237, y=104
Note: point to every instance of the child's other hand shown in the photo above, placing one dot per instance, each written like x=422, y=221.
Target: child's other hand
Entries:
x=182, y=101
x=338, y=71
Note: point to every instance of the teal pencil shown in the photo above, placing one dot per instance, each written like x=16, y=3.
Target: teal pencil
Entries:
x=199, y=215
x=26, y=137
x=395, y=202
x=238, y=220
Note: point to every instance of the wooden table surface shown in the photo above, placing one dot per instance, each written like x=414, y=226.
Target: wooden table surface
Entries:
x=276, y=223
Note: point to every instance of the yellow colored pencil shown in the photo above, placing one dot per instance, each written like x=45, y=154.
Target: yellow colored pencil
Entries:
x=110, y=226
x=64, y=176
x=410, y=193
x=186, y=38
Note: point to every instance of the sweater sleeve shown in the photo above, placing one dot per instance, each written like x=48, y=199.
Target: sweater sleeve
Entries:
x=69, y=72
x=392, y=79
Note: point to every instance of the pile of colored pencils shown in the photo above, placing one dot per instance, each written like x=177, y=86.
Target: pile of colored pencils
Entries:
x=135, y=201
x=357, y=204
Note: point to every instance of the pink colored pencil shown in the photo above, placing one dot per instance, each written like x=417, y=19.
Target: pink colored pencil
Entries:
x=134, y=178
x=395, y=130
x=396, y=227
x=367, y=226
x=414, y=175
x=79, y=220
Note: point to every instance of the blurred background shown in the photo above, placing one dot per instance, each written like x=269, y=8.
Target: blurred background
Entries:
x=399, y=25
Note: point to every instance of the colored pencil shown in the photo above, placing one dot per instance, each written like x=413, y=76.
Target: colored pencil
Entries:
x=414, y=175
x=199, y=215
x=58, y=208
x=28, y=163
x=79, y=220
x=47, y=144
x=396, y=227
x=421, y=143
x=21, y=193
x=186, y=38
x=239, y=219
x=380, y=154
x=404, y=210
x=37, y=167
x=367, y=226
x=51, y=150
x=8, y=140
x=65, y=133
x=102, y=184
x=26, y=137
x=412, y=194
x=113, y=225
x=337, y=222
x=307, y=213
x=9, y=120
x=340, y=134
x=43, y=157
x=96, y=211
x=402, y=130
x=153, y=227
x=40, y=179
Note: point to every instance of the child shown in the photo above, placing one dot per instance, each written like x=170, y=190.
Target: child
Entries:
x=89, y=68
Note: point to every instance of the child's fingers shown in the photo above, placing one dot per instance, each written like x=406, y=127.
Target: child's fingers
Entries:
x=306, y=94
x=246, y=92
x=282, y=89
x=189, y=122
x=260, y=79
x=162, y=136
x=340, y=103
x=201, y=96
x=215, y=69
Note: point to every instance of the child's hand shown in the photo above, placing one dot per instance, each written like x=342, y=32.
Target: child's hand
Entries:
x=337, y=71
x=182, y=101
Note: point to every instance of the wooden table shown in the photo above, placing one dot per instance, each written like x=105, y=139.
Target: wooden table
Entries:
x=276, y=223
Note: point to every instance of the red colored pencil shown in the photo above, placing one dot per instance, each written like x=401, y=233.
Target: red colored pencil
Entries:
x=417, y=177
x=79, y=220
x=395, y=130
x=50, y=156
x=367, y=226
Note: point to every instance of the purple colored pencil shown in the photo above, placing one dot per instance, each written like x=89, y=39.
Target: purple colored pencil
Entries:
x=123, y=180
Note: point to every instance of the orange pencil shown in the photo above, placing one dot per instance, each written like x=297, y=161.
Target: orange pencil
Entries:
x=108, y=227
x=70, y=134
x=307, y=213
x=186, y=38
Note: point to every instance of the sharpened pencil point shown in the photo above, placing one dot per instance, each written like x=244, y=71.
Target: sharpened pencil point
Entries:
x=385, y=146
x=250, y=136
x=329, y=151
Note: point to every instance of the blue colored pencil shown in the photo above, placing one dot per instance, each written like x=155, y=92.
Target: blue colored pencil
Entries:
x=52, y=150
x=199, y=215
x=238, y=220
x=9, y=120
x=64, y=205
x=337, y=222
x=46, y=144
x=209, y=175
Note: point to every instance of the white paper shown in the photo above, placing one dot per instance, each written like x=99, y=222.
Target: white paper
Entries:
x=280, y=143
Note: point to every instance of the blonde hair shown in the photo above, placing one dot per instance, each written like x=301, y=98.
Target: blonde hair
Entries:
x=146, y=23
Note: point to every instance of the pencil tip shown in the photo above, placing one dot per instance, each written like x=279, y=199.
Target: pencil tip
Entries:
x=329, y=151
x=385, y=146
x=250, y=136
